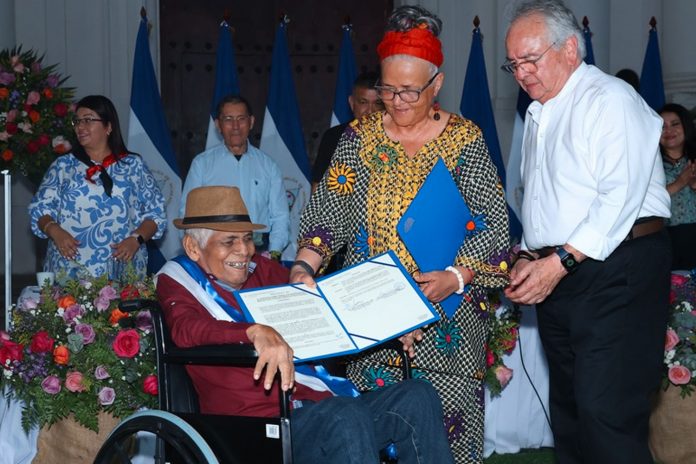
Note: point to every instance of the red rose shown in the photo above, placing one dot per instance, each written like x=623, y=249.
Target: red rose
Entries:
x=48, y=93
x=33, y=146
x=129, y=292
x=7, y=155
x=44, y=139
x=127, y=343
x=34, y=116
x=61, y=355
x=11, y=128
x=150, y=385
x=490, y=358
x=41, y=342
x=10, y=351
x=61, y=109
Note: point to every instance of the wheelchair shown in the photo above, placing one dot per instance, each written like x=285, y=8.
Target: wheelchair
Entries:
x=183, y=435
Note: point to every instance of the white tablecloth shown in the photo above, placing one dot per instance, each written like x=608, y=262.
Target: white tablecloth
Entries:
x=515, y=420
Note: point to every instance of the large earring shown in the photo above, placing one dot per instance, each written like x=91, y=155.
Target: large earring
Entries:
x=436, y=107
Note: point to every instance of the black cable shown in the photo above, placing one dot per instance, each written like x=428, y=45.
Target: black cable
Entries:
x=529, y=378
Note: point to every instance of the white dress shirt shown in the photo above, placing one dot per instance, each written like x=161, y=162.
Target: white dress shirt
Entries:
x=591, y=165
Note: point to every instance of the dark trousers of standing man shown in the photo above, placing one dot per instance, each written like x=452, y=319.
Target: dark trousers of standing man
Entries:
x=603, y=331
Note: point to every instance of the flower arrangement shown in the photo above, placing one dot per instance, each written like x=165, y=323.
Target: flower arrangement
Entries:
x=501, y=340
x=35, y=113
x=75, y=352
x=680, y=340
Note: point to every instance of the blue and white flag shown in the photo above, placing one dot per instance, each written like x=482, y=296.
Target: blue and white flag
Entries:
x=226, y=80
x=344, y=80
x=149, y=136
x=282, y=137
x=476, y=105
x=652, y=88
x=587, y=35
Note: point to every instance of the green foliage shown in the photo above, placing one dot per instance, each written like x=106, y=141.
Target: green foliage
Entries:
x=67, y=355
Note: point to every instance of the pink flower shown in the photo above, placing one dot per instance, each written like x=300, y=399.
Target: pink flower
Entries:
x=52, y=80
x=100, y=373
x=671, y=339
x=679, y=375
x=107, y=395
x=143, y=321
x=29, y=303
x=87, y=332
x=71, y=312
x=679, y=280
x=12, y=115
x=503, y=374
x=102, y=304
x=73, y=382
x=4, y=336
x=51, y=385
x=17, y=66
x=108, y=292
x=150, y=385
x=33, y=97
x=35, y=67
x=6, y=78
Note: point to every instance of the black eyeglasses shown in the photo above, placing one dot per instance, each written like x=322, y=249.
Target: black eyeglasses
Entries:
x=406, y=95
x=529, y=66
x=86, y=121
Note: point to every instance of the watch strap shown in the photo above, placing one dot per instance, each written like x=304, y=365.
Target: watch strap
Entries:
x=139, y=238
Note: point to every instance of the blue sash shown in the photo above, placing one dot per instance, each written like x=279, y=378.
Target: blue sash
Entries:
x=337, y=385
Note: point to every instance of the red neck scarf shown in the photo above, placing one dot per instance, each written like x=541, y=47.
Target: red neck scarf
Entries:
x=99, y=168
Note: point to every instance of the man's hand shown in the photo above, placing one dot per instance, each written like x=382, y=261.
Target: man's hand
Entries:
x=532, y=281
x=298, y=275
x=275, y=355
x=409, y=341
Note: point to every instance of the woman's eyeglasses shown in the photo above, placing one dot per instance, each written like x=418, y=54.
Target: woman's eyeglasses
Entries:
x=86, y=121
x=406, y=95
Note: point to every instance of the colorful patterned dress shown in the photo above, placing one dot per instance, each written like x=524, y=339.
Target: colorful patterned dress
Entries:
x=369, y=185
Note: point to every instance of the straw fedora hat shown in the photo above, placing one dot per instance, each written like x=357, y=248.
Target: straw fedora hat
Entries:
x=216, y=208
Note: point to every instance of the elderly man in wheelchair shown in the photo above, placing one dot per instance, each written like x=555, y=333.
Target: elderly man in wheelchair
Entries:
x=195, y=293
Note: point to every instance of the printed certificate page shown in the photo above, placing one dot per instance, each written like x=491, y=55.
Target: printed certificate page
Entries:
x=347, y=312
x=376, y=300
x=302, y=316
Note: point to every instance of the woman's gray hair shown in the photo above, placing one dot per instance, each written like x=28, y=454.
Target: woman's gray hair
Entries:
x=561, y=23
x=408, y=17
x=200, y=235
x=432, y=69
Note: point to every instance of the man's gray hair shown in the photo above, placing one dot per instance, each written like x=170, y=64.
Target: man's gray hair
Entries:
x=561, y=23
x=200, y=235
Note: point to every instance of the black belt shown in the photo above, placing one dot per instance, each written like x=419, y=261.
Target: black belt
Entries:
x=641, y=228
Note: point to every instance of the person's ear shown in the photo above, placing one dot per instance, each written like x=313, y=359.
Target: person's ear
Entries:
x=252, y=120
x=191, y=248
x=217, y=124
x=351, y=103
x=570, y=50
x=437, y=84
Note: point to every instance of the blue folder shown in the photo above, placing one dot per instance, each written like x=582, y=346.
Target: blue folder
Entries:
x=434, y=226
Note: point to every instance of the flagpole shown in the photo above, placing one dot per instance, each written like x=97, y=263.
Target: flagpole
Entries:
x=8, y=246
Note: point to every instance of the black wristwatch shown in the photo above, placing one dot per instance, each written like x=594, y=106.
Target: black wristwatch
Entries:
x=567, y=260
x=139, y=238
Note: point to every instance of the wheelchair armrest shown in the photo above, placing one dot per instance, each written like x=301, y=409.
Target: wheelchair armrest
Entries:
x=241, y=354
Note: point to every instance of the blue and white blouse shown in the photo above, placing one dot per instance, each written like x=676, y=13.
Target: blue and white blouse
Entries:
x=92, y=217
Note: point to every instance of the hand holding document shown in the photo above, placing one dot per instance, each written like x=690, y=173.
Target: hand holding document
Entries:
x=349, y=311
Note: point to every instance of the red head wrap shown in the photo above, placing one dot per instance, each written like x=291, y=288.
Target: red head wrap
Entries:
x=418, y=42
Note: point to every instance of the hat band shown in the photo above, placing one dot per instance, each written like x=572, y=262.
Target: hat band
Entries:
x=218, y=218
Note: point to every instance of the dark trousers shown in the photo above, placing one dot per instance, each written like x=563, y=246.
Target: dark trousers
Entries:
x=603, y=331
x=342, y=430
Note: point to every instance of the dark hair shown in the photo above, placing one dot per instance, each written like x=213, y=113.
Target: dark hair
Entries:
x=236, y=99
x=689, y=130
x=629, y=76
x=366, y=80
x=107, y=113
x=407, y=17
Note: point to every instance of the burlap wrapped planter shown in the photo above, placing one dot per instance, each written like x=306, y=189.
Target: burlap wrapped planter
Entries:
x=673, y=427
x=69, y=442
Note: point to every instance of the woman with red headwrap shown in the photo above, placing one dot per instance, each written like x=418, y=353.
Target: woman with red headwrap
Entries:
x=379, y=165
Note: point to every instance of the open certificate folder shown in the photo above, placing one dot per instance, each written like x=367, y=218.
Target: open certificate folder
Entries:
x=348, y=311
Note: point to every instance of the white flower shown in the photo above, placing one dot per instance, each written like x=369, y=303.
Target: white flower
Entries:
x=88, y=285
x=669, y=355
x=7, y=373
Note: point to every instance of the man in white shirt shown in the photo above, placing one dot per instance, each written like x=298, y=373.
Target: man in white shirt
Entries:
x=237, y=163
x=595, y=254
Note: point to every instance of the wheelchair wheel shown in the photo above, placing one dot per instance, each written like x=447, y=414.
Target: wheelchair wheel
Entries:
x=176, y=441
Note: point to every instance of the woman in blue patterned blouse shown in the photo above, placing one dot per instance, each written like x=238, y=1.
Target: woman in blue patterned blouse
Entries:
x=99, y=204
x=678, y=147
